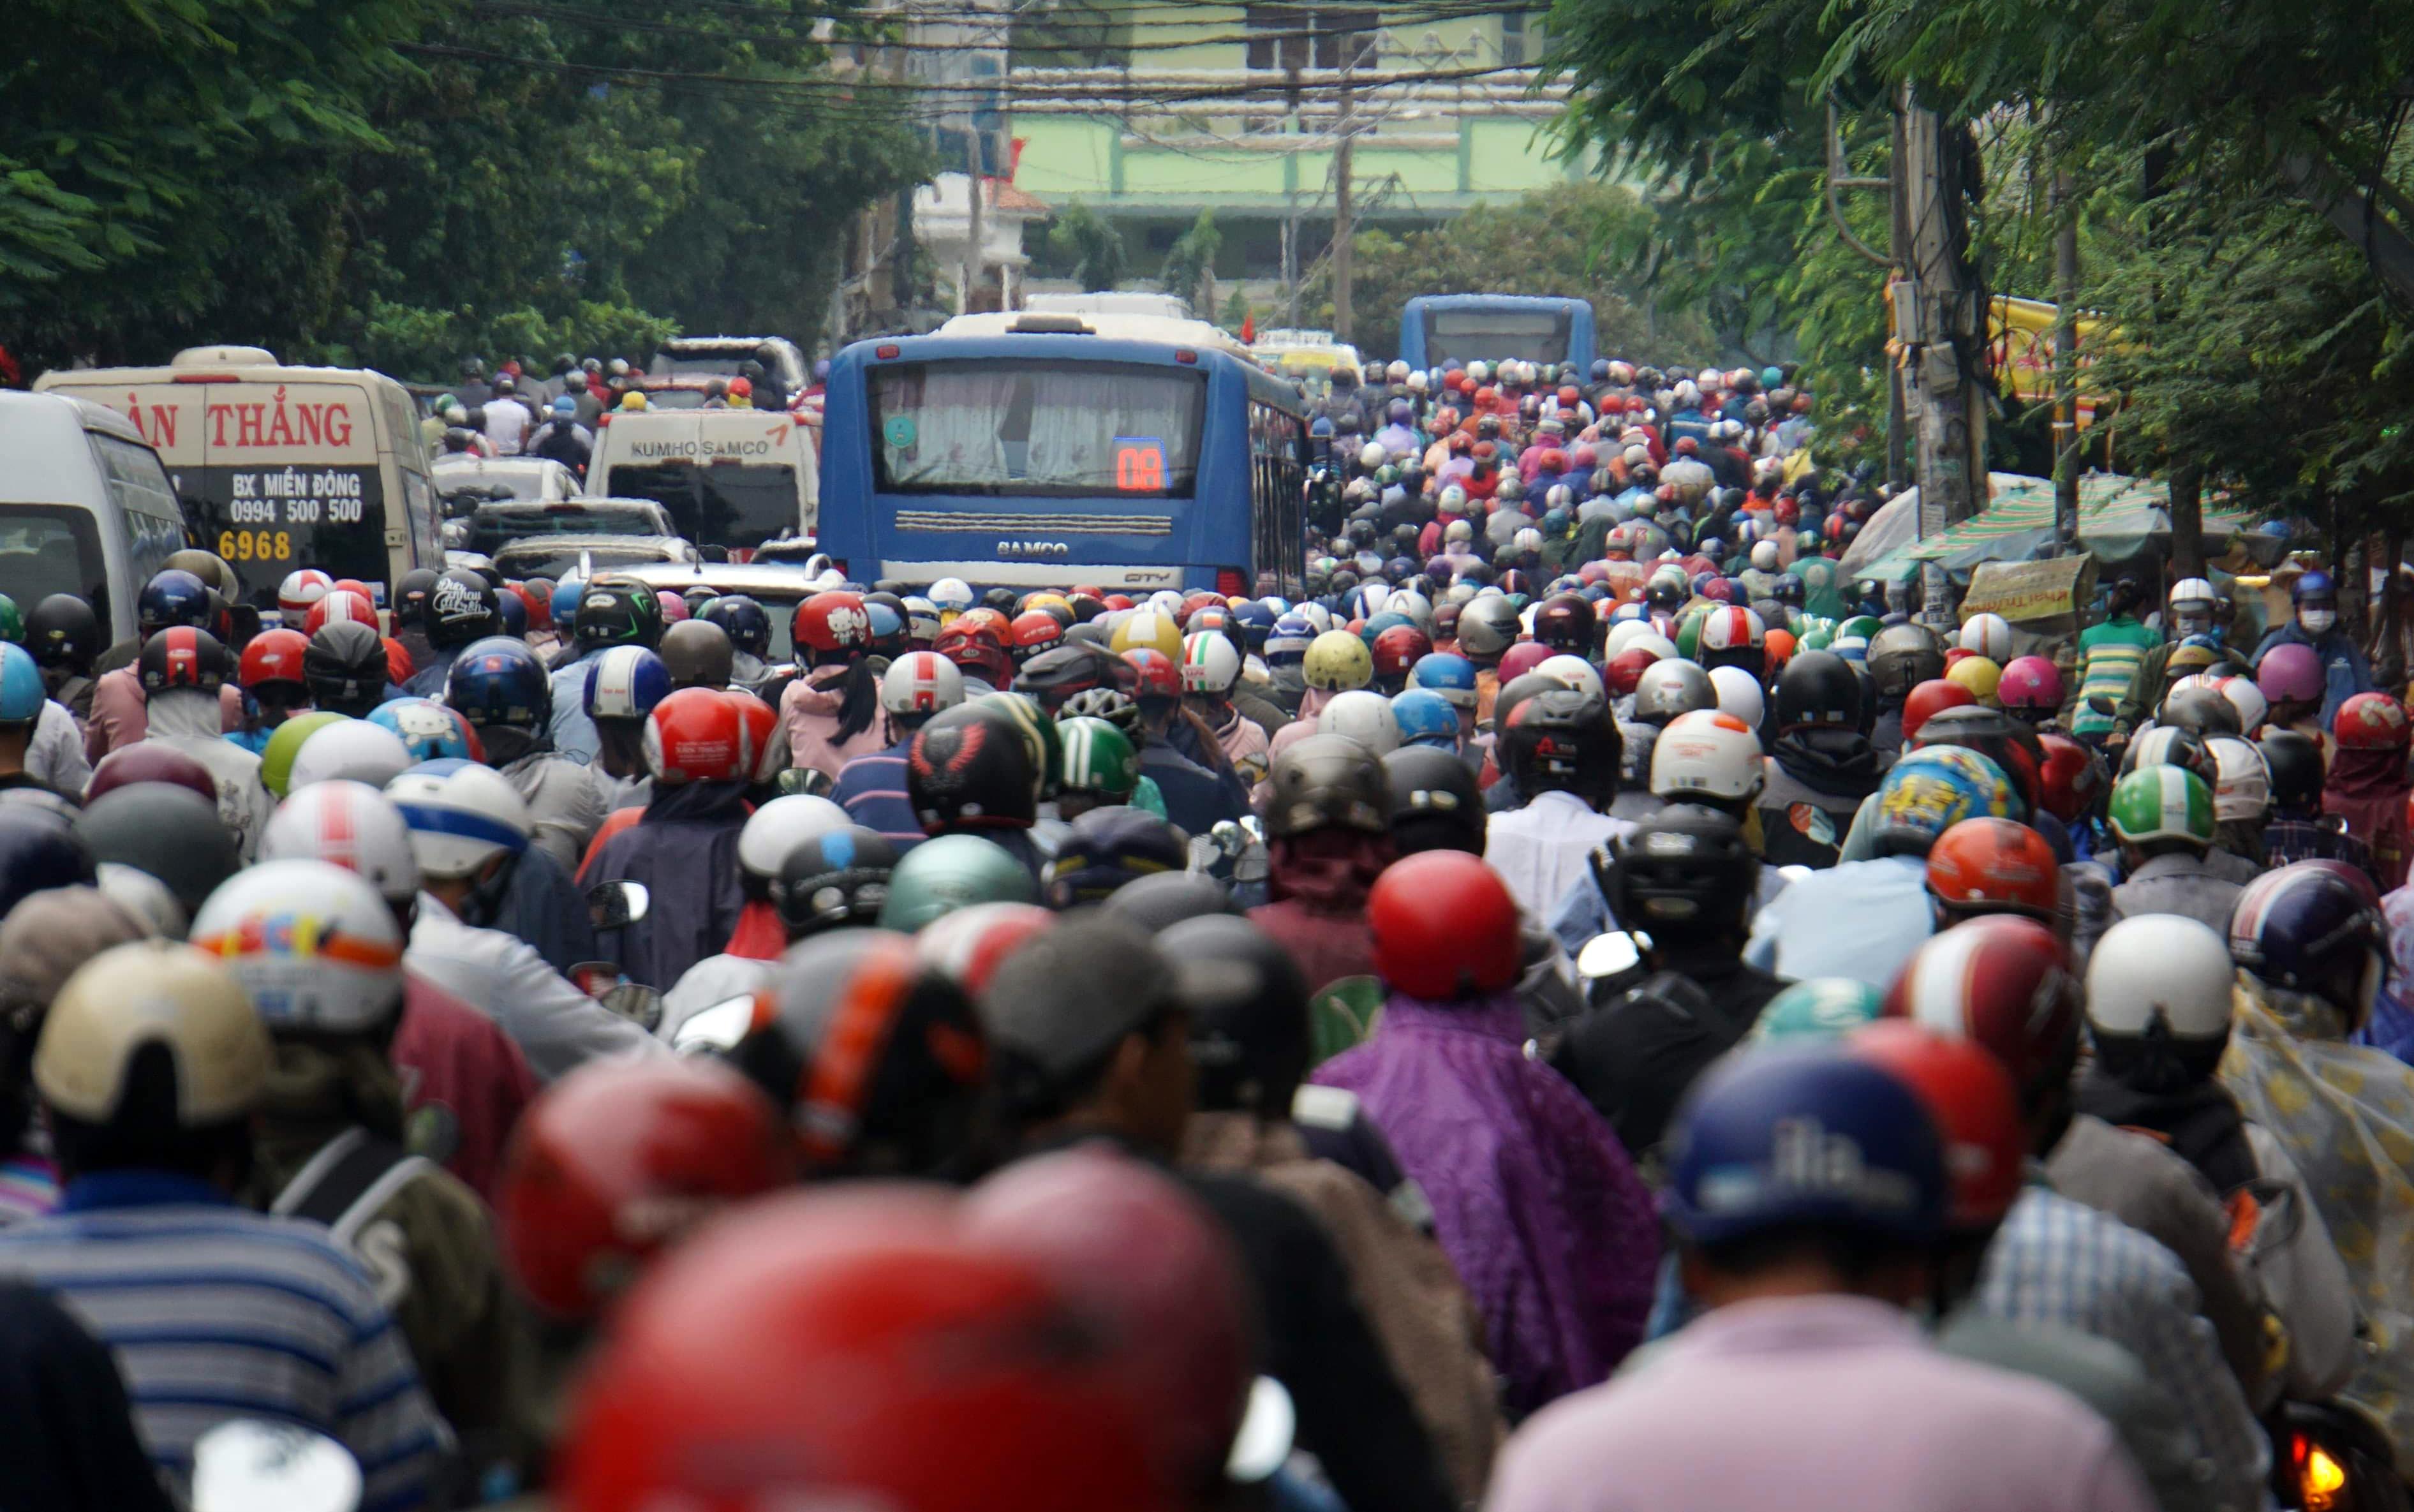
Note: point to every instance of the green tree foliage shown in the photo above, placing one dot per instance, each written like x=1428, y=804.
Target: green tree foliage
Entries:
x=1190, y=261
x=402, y=182
x=1088, y=245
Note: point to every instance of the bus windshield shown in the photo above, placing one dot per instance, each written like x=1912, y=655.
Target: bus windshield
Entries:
x=1050, y=429
x=1495, y=335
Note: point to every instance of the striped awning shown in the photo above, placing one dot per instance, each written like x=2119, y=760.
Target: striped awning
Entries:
x=2117, y=516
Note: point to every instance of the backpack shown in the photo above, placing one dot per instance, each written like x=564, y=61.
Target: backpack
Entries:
x=344, y=1186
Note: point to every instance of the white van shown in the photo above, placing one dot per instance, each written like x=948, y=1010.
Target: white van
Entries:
x=86, y=507
x=282, y=467
x=731, y=478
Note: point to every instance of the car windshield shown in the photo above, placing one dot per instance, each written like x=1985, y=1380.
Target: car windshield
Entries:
x=496, y=526
x=675, y=399
x=543, y=557
x=51, y=549
x=731, y=503
x=1048, y=429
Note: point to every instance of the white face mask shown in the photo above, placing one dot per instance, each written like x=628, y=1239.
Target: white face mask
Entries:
x=2316, y=622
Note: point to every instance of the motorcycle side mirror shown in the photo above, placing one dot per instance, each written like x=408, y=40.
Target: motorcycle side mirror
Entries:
x=711, y=1030
x=1611, y=955
x=634, y=1001
x=245, y=1465
x=1268, y=1427
x=617, y=904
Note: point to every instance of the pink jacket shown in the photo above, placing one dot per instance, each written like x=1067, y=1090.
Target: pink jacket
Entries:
x=120, y=714
x=808, y=710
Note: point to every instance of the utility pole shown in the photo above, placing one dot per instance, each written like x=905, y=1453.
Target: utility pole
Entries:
x=1341, y=226
x=971, y=269
x=2065, y=364
x=1939, y=315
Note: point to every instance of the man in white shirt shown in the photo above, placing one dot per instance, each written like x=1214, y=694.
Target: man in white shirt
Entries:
x=1561, y=749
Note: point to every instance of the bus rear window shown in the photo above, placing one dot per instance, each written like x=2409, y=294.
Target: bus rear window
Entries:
x=1495, y=335
x=720, y=504
x=1050, y=429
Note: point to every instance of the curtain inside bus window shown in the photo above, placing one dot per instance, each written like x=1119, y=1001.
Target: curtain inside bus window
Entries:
x=1481, y=334
x=1067, y=429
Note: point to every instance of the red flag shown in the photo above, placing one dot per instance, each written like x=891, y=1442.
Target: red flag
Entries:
x=1248, y=329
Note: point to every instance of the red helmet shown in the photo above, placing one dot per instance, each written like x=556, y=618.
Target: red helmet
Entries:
x=2070, y=777
x=1158, y=678
x=302, y=588
x=339, y=606
x=1625, y=670
x=970, y=944
x=2029, y=683
x=1396, y=651
x=149, y=761
x=1974, y=1105
x=1034, y=631
x=976, y=649
x=540, y=605
x=619, y=1159
x=273, y=656
x=1522, y=658
x=2372, y=722
x=766, y=749
x=1136, y=1247
x=398, y=667
x=1930, y=699
x=697, y=735
x=833, y=623
x=1444, y=927
x=1991, y=865
x=353, y=585
x=998, y=624
x=1787, y=511
x=1116, y=601
x=853, y=1346
x=1192, y=602
x=2004, y=982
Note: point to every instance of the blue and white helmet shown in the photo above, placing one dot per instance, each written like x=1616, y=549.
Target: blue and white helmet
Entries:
x=625, y=682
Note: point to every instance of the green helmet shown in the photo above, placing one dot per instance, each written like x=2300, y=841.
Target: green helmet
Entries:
x=1824, y=1007
x=12, y=624
x=1865, y=626
x=1818, y=636
x=1098, y=758
x=276, y=761
x=951, y=872
x=1689, y=632
x=2168, y=803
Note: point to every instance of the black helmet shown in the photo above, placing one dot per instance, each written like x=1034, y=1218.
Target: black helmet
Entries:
x=970, y=769
x=839, y=877
x=1058, y=673
x=1517, y=690
x=1436, y=804
x=183, y=657
x=617, y=611
x=1565, y=621
x=63, y=631
x=744, y=620
x=169, y=831
x=1902, y=657
x=40, y=850
x=346, y=668
x=461, y=608
x=1664, y=593
x=1818, y=690
x=697, y=655
x=1326, y=781
x=410, y=594
x=1106, y=847
x=1685, y=872
x=2296, y=766
x=1160, y=902
x=1789, y=590
x=1248, y=1013
x=1562, y=740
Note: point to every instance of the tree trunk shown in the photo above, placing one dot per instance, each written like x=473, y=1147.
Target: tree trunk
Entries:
x=2187, y=523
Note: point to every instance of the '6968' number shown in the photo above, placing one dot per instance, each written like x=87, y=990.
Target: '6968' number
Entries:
x=256, y=546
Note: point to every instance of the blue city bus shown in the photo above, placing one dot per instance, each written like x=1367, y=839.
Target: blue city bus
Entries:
x=1045, y=456
x=1439, y=328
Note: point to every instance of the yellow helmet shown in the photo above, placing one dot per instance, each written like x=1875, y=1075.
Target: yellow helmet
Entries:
x=633, y=400
x=1339, y=661
x=1149, y=629
x=1979, y=674
x=153, y=992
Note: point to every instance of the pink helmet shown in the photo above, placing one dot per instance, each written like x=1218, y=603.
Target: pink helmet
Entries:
x=2029, y=683
x=2290, y=673
x=1521, y=659
x=674, y=607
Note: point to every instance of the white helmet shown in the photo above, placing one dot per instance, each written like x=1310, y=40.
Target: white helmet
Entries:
x=1763, y=555
x=1706, y=753
x=1418, y=607
x=1738, y=694
x=1989, y=635
x=1574, y=671
x=1418, y=383
x=1364, y=717
x=146, y=900
x=2243, y=787
x=314, y=945
x=1210, y=664
x=351, y=825
x=1395, y=370
x=1166, y=602
x=153, y=992
x=350, y=750
x=461, y=815
x=779, y=827
x=951, y=595
x=1479, y=373
x=1528, y=539
x=2247, y=698
x=1624, y=634
x=2196, y=592
x=921, y=683
x=1371, y=457
x=2166, y=966
x=1317, y=615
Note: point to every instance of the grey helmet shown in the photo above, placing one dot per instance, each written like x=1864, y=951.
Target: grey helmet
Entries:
x=1672, y=686
x=1327, y=781
x=1487, y=627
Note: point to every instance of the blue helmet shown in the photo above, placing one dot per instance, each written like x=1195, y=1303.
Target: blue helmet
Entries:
x=1778, y=1136
x=2314, y=585
x=1630, y=609
x=498, y=680
x=565, y=599
x=1286, y=643
x=1448, y=674
x=173, y=597
x=625, y=682
x=513, y=610
x=1257, y=622
x=430, y=730
x=1425, y=718
x=744, y=620
x=20, y=685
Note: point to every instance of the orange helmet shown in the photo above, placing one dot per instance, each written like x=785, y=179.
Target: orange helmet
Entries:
x=1928, y=700
x=1992, y=866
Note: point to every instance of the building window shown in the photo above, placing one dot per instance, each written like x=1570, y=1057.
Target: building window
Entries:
x=1519, y=42
x=1287, y=37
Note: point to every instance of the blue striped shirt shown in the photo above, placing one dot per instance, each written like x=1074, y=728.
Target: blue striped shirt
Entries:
x=216, y=1312
x=871, y=789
